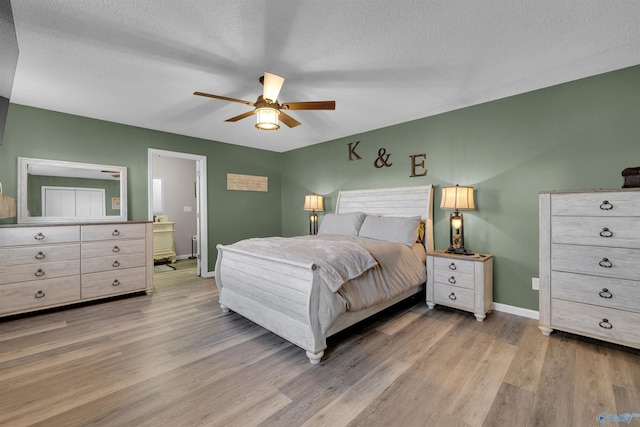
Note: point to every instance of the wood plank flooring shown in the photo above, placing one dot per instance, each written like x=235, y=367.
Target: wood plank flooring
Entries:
x=173, y=359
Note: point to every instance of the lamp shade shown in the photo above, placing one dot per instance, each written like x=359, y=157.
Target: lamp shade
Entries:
x=313, y=202
x=267, y=118
x=457, y=198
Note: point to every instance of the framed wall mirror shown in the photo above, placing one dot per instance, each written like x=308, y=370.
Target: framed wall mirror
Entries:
x=60, y=191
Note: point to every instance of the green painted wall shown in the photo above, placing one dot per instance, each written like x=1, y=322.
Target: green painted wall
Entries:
x=232, y=215
x=576, y=135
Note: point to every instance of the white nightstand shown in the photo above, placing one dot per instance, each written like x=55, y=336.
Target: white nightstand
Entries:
x=460, y=281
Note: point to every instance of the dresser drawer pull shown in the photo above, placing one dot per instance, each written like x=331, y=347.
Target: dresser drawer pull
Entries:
x=605, y=293
x=39, y=236
x=115, y=249
x=116, y=283
x=39, y=272
x=452, y=280
x=115, y=264
x=606, y=206
x=606, y=233
x=605, y=324
x=452, y=266
x=605, y=263
x=39, y=294
x=115, y=233
x=40, y=255
x=452, y=296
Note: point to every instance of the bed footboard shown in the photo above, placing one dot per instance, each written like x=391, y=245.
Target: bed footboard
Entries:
x=279, y=295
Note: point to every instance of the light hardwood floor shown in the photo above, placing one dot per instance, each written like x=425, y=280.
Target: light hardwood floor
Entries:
x=173, y=359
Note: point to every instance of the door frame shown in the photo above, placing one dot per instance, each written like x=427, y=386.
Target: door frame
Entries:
x=201, y=194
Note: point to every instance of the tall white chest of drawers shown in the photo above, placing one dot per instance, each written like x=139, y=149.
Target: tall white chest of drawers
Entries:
x=590, y=264
x=44, y=266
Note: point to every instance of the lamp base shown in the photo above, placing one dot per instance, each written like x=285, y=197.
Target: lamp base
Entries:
x=459, y=251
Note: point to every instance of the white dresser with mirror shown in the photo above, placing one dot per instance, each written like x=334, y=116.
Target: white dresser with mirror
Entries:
x=77, y=248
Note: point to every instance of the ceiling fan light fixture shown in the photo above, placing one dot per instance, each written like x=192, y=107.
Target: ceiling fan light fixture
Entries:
x=267, y=118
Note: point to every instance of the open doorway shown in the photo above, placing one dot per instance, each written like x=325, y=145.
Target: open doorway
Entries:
x=177, y=188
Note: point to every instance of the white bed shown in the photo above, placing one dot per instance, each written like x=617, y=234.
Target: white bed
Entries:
x=287, y=296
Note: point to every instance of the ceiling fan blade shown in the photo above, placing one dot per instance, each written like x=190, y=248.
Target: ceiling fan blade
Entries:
x=241, y=116
x=288, y=120
x=312, y=105
x=224, y=98
x=272, y=85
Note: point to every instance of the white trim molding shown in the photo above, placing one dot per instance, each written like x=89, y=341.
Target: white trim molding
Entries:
x=518, y=311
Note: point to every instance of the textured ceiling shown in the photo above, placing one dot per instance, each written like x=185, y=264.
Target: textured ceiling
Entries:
x=383, y=62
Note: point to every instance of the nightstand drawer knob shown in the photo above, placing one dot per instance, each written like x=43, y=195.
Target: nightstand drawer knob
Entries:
x=452, y=266
x=605, y=293
x=606, y=206
x=605, y=324
x=606, y=232
x=453, y=296
x=605, y=263
x=452, y=280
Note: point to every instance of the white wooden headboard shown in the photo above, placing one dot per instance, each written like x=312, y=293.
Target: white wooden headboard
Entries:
x=398, y=201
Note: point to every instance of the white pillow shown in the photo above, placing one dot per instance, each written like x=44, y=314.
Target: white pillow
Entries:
x=393, y=229
x=347, y=224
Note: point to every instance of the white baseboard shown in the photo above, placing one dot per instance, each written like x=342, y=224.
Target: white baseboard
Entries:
x=518, y=311
x=208, y=274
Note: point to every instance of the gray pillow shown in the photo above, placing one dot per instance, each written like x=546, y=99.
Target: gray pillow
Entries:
x=393, y=229
x=347, y=224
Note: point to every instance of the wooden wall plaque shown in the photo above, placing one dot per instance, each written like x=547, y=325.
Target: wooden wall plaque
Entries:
x=239, y=182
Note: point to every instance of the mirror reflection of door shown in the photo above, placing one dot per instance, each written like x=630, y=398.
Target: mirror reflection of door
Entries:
x=66, y=202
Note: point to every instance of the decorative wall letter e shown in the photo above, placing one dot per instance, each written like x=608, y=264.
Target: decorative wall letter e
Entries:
x=415, y=164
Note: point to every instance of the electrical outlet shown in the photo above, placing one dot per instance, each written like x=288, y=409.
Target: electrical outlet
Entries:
x=535, y=283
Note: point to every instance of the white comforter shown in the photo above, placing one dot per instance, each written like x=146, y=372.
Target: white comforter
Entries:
x=339, y=258
x=358, y=272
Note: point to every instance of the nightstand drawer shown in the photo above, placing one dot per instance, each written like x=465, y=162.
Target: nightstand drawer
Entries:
x=454, y=279
x=453, y=296
x=453, y=266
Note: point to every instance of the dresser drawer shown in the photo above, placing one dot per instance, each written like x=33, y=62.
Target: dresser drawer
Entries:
x=113, y=282
x=112, y=263
x=614, y=203
x=600, y=261
x=598, y=322
x=38, y=272
x=114, y=231
x=39, y=235
x=453, y=296
x=38, y=255
x=39, y=294
x=614, y=232
x=602, y=291
x=452, y=265
x=122, y=247
x=454, y=279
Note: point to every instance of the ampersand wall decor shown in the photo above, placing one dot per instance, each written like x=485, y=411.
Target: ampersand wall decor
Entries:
x=383, y=159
